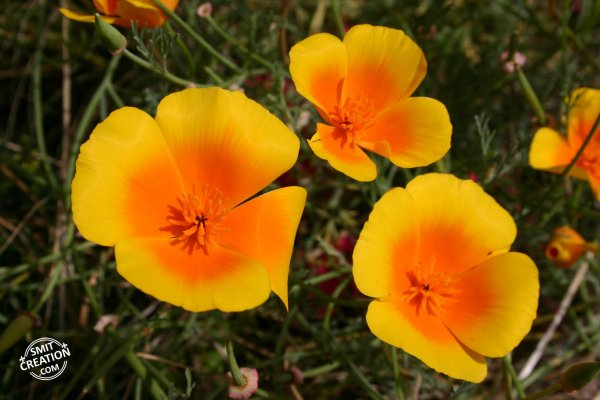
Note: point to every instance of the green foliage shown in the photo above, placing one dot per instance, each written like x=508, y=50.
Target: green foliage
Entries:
x=57, y=83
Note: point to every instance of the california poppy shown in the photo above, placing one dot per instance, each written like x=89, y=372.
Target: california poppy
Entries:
x=566, y=247
x=435, y=256
x=173, y=195
x=551, y=151
x=122, y=12
x=361, y=87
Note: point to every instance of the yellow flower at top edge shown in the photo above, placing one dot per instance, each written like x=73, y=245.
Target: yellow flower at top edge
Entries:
x=551, y=151
x=361, y=87
x=567, y=246
x=435, y=256
x=171, y=194
x=122, y=12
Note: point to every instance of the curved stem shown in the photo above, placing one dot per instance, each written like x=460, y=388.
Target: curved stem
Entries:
x=165, y=74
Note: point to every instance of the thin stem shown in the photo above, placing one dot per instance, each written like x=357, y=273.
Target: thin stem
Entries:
x=237, y=44
x=510, y=370
x=337, y=16
x=543, y=393
x=530, y=95
x=181, y=23
x=37, y=99
x=396, y=372
x=162, y=72
x=238, y=378
x=583, y=146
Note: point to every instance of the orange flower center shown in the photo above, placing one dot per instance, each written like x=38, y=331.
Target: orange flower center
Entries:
x=353, y=117
x=198, y=218
x=429, y=289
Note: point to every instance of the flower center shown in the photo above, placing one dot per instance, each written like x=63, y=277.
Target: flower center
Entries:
x=353, y=117
x=429, y=289
x=198, y=218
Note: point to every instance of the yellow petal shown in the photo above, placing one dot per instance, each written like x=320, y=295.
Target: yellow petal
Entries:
x=220, y=279
x=388, y=245
x=77, y=16
x=264, y=229
x=384, y=65
x=459, y=224
x=413, y=133
x=585, y=108
x=318, y=67
x=328, y=143
x=426, y=338
x=225, y=140
x=495, y=304
x=125, y=179
x=550, y=151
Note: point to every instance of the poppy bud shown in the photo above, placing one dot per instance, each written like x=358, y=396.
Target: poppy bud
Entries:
x=114, y=40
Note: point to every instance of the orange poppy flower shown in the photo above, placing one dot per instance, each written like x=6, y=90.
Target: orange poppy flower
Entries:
x=122, y=12
x=172, y=195
x=551, y=151
x=567, y=246
x=361, y=88
x=435, y=256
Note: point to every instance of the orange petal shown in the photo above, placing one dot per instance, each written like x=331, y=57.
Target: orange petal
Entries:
x=328, y=143
x=221, y=279
x=459, y=224
x=413, y=133
x=384, y=65
x=388, y=245
x=425, y=337
x=226, y=141
x=585, y=108
x=125, y=179
x=495, y=305
x=106, y=7
x=144, y=12
x=318, y=67
x=264, y=229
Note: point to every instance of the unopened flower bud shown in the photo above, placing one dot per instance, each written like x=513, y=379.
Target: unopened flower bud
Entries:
x=16, y=330
x=204, y=10
x=114, y=40
x=578, y=376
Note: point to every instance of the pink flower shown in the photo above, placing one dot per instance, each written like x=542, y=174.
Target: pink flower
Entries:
x=250, y=376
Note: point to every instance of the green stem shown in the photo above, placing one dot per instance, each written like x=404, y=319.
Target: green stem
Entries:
x=238, y=378
x=162, y=72
x=396, y=372
x=37, y=99
x=237, y=44
x=510, y=370
x=142, y=373
x=588, y=138
x=530, y=95
x=337, y=16
x=181, y=23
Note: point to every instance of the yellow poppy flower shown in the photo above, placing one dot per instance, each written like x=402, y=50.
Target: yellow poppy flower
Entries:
x=435, y=256
x=122, y=12
x=566, y=246
x=361, y=87
x=551, y=151
x=171, y=194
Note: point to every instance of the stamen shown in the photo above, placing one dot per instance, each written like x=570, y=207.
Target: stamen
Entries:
x=430, y=289
x=198, y=220
x=354, y=117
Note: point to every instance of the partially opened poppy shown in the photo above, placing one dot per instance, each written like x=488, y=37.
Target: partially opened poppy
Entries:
x=361, y=87
x=172, y=195
x=551, y=151
x=122, y=12
x=566, y=247
x=435, y=256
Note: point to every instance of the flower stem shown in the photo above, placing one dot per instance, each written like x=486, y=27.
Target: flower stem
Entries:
x=530, y=95
x=238, y=379
x=181, y=23
x=588, y=138
x=165, y=74
x=337, y=16
x=543, y=393
x=510, y=370
x=237, y=44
